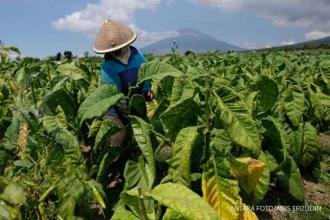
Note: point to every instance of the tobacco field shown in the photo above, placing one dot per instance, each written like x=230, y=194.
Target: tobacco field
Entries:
x=223, y=130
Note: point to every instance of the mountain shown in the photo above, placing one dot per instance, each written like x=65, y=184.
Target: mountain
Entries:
x=189, y=39
x=313, y=44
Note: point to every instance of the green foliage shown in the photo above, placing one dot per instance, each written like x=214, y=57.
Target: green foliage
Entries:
x=96, y=104
x=230, y=126
x=182, y=200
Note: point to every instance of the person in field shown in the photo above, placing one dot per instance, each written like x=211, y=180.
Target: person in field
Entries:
x=120, y=67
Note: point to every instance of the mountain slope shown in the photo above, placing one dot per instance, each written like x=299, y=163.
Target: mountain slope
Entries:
x=188, y=39
x=313, y=44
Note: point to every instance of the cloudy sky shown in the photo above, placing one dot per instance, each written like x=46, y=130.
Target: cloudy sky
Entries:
x=45, y=27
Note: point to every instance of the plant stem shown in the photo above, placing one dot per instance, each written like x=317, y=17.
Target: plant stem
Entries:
x=34, y=95
x=143, y=214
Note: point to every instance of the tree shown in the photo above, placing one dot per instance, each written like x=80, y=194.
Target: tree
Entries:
x=58, y=56
x=68, y=54
x=86, y=54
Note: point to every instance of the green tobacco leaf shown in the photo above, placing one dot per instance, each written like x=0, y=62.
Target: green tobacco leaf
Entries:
x=103, y=135
x=183, y=201
x=181, y=89
x=310, y=150
x=251, y=102
x=180, y=163
x=141, y=132
x=220, y=141
x=14, y=194
x=321, y=105
x=185, y=111
x=122, y=213
x=268, y=92
x=106, y=162
x=220, y=191
x=157, y=71
x=137, y=106
x=94, y=128
x=171, y=215
x=96, y=104
x=8, y=212
x=290, y=179
x=294, y=106
x=56, y=126
x=276, y=136
x=11, y=134
x=62, y=98
x=71, y=70
x=136, y=175
x=240, y=125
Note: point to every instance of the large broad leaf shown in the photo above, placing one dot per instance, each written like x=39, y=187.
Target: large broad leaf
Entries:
x=220, y=141
x=248, y=171
x=136, y=175
x=137, y=106
x=62, y=98
x=71, y=70
x=157, y=71
x=180, y=115
x=122, y=213
x=171, y=215
x=103, y=135
x=268, y=92
x=180, y=163
x=183, y=201
x=96, y=104
x=141, y=132
x=220, y=190
x=321, y=105
x=290, y=179
x=276, y=137
x=181, y=89
x=310, y=150
x=294, y=105
x=239, y=124
x=251, y=102
x=11, y=134
x=14, y=194
x=8, y=212
x=56, y=126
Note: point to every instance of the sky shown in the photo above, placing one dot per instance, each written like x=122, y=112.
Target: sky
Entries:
x=41, y=28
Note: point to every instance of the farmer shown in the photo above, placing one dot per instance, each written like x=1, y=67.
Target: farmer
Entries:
x=120, y=67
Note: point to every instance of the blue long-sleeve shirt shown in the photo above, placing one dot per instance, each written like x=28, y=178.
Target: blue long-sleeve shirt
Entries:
x=117, y=73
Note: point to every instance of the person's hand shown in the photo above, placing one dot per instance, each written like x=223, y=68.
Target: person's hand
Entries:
x=148, y=96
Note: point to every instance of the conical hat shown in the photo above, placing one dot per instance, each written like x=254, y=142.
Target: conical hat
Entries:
x=113, y=36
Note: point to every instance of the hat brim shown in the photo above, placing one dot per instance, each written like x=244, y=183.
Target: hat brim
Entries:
x=117, y=47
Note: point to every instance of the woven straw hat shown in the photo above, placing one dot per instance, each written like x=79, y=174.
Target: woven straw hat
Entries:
x=113, y=36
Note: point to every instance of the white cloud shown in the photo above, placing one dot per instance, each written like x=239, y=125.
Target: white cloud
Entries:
x=286, y=43
x=89, y=19
x=312, y=15
x=313, y=35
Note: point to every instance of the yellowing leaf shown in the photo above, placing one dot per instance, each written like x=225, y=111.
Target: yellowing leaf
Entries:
x=248, y=171
x=221, y=193
x=151, y=108
x=247, y=214
x=183, y=201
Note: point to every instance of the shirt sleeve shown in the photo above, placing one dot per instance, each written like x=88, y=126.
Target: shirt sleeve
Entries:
x=105, y=78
